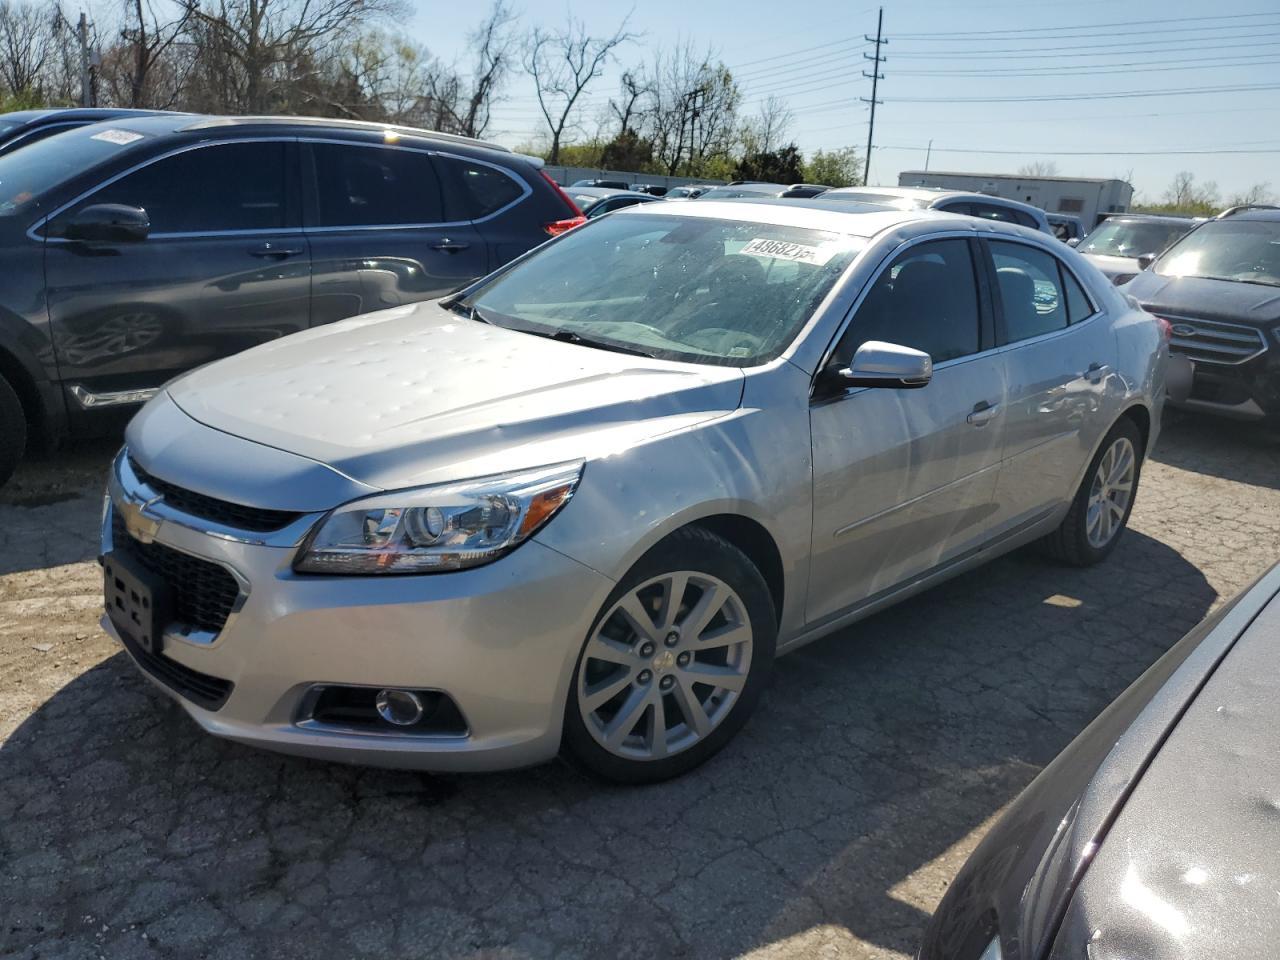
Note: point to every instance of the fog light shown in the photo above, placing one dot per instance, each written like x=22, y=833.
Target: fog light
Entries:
x=403, y=708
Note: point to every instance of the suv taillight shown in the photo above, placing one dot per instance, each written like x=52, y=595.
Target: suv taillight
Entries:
x=557, y=227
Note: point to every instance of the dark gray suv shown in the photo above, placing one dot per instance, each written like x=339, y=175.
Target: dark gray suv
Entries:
x=140, y=247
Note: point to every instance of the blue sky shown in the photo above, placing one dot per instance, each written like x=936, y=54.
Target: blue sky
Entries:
x=811, y=55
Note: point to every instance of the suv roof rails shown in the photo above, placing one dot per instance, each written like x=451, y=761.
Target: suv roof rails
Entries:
x=393, y=128
x=1241, y=207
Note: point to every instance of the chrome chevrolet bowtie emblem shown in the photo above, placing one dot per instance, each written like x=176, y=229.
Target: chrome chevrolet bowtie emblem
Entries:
x=141, y=526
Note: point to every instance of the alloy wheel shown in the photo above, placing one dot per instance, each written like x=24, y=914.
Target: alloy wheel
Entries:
x=1110, y=493
x=665, y=665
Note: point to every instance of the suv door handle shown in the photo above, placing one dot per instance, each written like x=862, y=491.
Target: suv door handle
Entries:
x=270, y=251
x=450, y=246
x=983, y=413
x=1096, y=372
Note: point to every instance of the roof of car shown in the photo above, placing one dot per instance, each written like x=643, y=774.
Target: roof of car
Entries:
x=1159, y=217
x=80, y=113
x=210, y=123
x=600, y=191
x=1271, y=214
x=934, y=194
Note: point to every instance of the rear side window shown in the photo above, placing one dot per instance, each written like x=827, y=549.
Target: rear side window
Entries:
x=1030, y=287
x=481, y=190
x=1078, y=305
x=361, y=186
x=229, y=186
x=991, y=211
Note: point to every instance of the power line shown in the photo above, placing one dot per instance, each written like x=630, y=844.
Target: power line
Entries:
x=1088, y=153
x=1094, y=27
x=1108, y=49
x=1255, y=60
x=1185, y=91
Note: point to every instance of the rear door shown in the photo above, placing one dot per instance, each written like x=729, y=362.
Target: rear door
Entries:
x=379, y=231
x=904, y=480
x=225, y=267
x=1059, y=356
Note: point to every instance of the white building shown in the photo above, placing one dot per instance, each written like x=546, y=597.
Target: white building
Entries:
x=1086, y=198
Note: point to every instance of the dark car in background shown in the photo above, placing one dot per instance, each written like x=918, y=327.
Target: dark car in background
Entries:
x=141, y=247
x=752, y=190
x=597, y=201
x=1218, y=287
x=24, y=127
x=1116, y=244
x=1153, y=835
x=605, y=184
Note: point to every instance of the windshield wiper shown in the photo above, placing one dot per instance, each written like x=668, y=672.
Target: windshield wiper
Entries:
x=569, y=336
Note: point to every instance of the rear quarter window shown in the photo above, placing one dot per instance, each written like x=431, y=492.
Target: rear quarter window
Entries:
x=477, y=190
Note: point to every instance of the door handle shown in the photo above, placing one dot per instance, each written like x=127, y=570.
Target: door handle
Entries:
x=449, y=246
x=1096, y=372
x=983, y=413
x=271, y=251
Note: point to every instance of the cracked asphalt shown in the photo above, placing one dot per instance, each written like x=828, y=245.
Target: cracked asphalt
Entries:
x=829, y=828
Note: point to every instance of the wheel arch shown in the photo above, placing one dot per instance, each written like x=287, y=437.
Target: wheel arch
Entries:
x=1141, y=417
x=755, y=541
x=34, y=405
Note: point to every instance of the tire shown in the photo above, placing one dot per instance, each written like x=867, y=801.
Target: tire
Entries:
x=633, y=680
x=13, y=430
x=1072, y=543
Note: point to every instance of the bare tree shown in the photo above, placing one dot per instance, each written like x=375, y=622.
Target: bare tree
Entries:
x=1038, y=168
x=771, y=125
x=691, y=113
x=26, y=44
x=254, y=49
x=148, y=39
x=493, y=45
x=562, y=63
x=635, y=88
x=1258, y=193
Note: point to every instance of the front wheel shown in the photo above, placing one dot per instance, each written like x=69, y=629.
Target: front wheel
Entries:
x=674, y=664
x=1101, y=508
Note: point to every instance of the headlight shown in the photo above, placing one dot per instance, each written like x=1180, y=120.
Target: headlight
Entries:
x=445, y=527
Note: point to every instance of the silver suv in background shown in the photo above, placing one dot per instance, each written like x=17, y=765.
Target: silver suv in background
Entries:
x=950, y=201
x=585, y=502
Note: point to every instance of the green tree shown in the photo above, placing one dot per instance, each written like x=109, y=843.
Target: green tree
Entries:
x=774, y=166
x=835, y=168
x=627, y=151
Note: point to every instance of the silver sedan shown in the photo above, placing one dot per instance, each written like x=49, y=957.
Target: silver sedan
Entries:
x=584, y=503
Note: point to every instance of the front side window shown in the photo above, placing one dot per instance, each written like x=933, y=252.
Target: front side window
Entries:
x=703, y=290
x=363, y=186
x=927, y=299
x=1030, y=287
x=27, y=174
x=1247, y=251
x=229, y=186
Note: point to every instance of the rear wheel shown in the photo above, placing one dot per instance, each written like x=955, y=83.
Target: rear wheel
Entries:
x=1101, y=508
x=13, y=430
x=674, y=664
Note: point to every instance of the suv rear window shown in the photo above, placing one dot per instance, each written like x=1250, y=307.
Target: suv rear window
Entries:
x=375, y=186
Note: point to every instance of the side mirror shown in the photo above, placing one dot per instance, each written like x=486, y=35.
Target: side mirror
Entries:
x=1146, y=260
x=1074, y=241
x=108, y=223
x=880, y=364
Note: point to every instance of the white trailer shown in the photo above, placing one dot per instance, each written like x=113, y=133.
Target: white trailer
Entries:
x=1087, y=198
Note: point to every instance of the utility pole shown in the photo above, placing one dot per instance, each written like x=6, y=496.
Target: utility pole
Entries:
x=927, y=154
x=875, y=76
x=86, y=91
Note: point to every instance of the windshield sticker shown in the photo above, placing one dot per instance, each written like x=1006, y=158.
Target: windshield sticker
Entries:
x=784, y=250
x=119, y=137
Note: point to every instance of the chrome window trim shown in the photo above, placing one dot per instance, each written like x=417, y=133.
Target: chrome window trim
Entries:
x=183, y=148
x=889, y=257
x=519, y=181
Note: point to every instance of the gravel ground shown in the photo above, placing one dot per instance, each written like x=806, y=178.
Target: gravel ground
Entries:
x=830, y=828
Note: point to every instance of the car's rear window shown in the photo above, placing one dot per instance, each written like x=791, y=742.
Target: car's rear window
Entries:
x=723, y=292
x=27, y=173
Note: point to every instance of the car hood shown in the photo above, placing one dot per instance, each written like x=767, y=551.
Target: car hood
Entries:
x=1190, y=868
x=1227, y=300
x=1113, y=266
x=417, y=394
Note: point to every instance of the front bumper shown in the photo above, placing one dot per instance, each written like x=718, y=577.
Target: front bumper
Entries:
x=1247, y=391
x=500, y=640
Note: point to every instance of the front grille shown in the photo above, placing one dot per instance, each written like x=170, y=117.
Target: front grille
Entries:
x=200, y=688
x=222, y=512
x=1212, y=341
x=203, y=592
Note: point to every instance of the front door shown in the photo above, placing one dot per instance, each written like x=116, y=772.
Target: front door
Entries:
x=224, y=267
x=904, y=480
x=1059, y=362
x=376, y=220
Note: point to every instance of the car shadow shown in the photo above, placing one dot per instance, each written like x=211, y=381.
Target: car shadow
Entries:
x=842, y=809
x=1231, y=450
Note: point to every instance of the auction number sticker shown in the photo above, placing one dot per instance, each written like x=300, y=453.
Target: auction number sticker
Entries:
x=785, y=250
x=120, y=137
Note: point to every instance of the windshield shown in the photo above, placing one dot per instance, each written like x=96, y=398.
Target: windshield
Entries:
x=1243, y=250
x=897, y=201
x=27, y=173
x=736, y=193
x=1132, y=238
x=722, y=292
